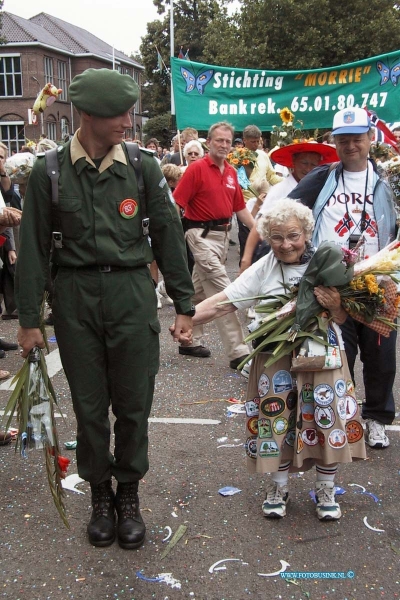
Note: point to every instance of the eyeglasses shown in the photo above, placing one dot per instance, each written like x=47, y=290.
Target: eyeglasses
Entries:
x=193, y=154
x=294, y=236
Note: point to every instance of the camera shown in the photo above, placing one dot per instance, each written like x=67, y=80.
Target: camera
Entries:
x=57, y=239
x=353, y=241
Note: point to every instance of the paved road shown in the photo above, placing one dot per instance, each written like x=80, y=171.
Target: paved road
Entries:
x=190, y=462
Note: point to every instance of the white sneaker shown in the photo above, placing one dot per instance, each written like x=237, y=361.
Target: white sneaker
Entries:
x=246, y=370
x=274, y=505
x=375, y=434
x=251, y=313
x=161, y=289
x=159, y=303
x=327, y=507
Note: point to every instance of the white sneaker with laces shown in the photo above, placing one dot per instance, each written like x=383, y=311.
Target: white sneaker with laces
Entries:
x=375, y=434
x=327, y=507
x=274, y=505
x=246, y=370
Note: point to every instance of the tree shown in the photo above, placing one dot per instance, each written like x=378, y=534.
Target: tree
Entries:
x=2, y=39
x=160, y=128
x=304, y=34
x=191, y=19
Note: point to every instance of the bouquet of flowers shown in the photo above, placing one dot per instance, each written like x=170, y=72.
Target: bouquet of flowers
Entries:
x=392, y=172
x=291, y=131
x=33, y=401
x=19, y=166
x=243, y=160
x=367, y=288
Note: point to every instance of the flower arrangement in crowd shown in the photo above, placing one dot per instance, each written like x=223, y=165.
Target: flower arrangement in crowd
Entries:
x=242, y=157
x=291, y=131
x=367, y=288
x=243, y=160
x=19, y=166
x=392, y=172
x=33, y=402
x=380, y=152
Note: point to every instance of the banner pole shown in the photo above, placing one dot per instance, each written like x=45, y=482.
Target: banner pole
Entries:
x=172, y=43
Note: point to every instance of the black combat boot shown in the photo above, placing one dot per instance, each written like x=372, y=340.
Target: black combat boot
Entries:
x=131, y=528
x=101, y=528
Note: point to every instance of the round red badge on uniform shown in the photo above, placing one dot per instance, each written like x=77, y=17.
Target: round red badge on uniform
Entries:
x=128, y=208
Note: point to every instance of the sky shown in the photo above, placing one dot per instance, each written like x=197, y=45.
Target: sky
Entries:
x=119, y=22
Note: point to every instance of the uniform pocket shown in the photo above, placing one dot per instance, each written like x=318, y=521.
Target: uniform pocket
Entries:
x=70, y=215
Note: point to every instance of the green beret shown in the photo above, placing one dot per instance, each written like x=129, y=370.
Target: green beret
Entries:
x=103, y=92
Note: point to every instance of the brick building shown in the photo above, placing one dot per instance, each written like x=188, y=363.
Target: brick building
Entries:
x=45, y=49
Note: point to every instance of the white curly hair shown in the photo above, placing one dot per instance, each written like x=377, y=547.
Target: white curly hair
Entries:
x=190, y=144
x=283, y=210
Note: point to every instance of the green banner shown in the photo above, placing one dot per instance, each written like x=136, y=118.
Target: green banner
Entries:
x=205, y=94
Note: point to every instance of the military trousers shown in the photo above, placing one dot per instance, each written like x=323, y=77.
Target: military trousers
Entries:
x=108, y=334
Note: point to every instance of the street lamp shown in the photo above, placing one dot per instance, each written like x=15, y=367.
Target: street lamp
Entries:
x=41, y=114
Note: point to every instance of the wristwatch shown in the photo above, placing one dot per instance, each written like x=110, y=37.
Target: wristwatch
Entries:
x=3, y=175
x=191, y=312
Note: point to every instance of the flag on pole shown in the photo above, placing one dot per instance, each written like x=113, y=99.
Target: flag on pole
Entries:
x=388, y=136
x=181, y=55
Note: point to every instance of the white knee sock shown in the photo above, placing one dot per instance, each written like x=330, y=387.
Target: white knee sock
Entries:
x=326, y=473
x=281, y=477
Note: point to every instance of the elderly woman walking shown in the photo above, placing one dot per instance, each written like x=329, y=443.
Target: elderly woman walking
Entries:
x=293, y=425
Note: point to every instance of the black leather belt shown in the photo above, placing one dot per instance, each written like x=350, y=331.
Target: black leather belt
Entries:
x=103, y=268
x=215, y=225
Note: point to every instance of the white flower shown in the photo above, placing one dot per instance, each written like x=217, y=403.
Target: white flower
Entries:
x=283, y=134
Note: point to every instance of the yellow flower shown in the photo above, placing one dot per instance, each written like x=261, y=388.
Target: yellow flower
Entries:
x=235, y=161
x=286, y=115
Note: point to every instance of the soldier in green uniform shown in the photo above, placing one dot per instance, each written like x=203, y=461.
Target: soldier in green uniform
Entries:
x=104, y=307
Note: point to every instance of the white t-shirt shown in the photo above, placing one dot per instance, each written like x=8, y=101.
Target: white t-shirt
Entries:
x=341, y=216
x=277, y=192
x=264, y=277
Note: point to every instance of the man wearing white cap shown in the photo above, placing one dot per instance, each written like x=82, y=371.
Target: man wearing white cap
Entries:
x=349, y=200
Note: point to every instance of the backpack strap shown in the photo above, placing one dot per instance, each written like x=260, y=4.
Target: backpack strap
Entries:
x=135, y=159
x=53, y=172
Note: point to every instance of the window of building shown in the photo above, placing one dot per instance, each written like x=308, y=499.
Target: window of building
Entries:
x=48, y=70
x=52, y=130
x=64, y=124
x=10, y=76
x=62, y=79
x=13, y=135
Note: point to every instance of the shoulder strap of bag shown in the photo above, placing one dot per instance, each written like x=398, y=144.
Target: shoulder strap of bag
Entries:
x=135, y=159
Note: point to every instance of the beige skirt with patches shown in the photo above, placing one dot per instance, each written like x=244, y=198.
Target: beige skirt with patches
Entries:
x=305, y=417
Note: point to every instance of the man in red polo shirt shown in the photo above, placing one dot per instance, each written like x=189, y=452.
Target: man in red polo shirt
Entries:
x=209, y=194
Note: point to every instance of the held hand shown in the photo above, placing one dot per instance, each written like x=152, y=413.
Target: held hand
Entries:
x=181, y=331
x=28, y=338
x=11, y=217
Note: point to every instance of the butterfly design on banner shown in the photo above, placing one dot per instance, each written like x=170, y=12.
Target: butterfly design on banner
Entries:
x=393, y=74
x=199, y=81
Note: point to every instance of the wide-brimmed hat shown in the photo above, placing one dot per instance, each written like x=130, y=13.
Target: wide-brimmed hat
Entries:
x=284, y=155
